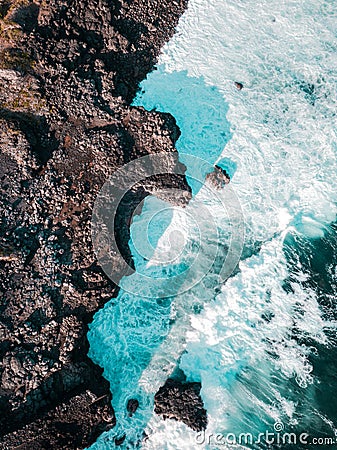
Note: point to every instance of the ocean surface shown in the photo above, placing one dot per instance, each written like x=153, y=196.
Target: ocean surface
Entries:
x=262, y=342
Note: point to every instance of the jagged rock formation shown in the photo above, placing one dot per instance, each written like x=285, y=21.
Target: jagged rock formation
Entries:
x=68, y=71
x=180, y=400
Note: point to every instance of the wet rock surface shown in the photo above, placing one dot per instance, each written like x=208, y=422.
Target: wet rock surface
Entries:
x=68, y=71
x=132, y=406
x=180, y=400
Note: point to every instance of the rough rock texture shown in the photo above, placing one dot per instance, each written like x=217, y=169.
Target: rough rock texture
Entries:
x=68, y=71
x=180, y=400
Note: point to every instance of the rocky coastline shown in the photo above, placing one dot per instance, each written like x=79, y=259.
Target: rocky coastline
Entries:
x=68, y=73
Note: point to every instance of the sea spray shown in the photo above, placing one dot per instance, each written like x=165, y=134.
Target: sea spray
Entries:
x=256, y=349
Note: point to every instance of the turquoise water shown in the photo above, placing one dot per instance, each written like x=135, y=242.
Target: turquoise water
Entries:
x=200, y=112
x=126, y=334
x=263, y=344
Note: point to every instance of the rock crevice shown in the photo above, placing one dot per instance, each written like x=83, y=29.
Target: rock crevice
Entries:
x=68, y=72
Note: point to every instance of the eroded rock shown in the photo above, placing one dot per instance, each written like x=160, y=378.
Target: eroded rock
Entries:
x=67, y=75
x=181, y=401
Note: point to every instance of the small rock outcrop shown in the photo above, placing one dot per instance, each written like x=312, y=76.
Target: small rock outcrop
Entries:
x=218, y=178
x=132, y=406
x=180, y=400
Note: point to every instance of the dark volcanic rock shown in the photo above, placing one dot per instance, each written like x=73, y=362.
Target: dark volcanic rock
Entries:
x=132, y=406
x=68, y=71
x=180, y=400
x=70, y=425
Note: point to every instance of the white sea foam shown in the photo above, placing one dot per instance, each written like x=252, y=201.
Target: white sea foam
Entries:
x=230, y=337
x=283, y=120
x=282, y=149
x=284, y=145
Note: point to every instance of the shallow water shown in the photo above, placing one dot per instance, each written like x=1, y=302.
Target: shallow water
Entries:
x=263, y=344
